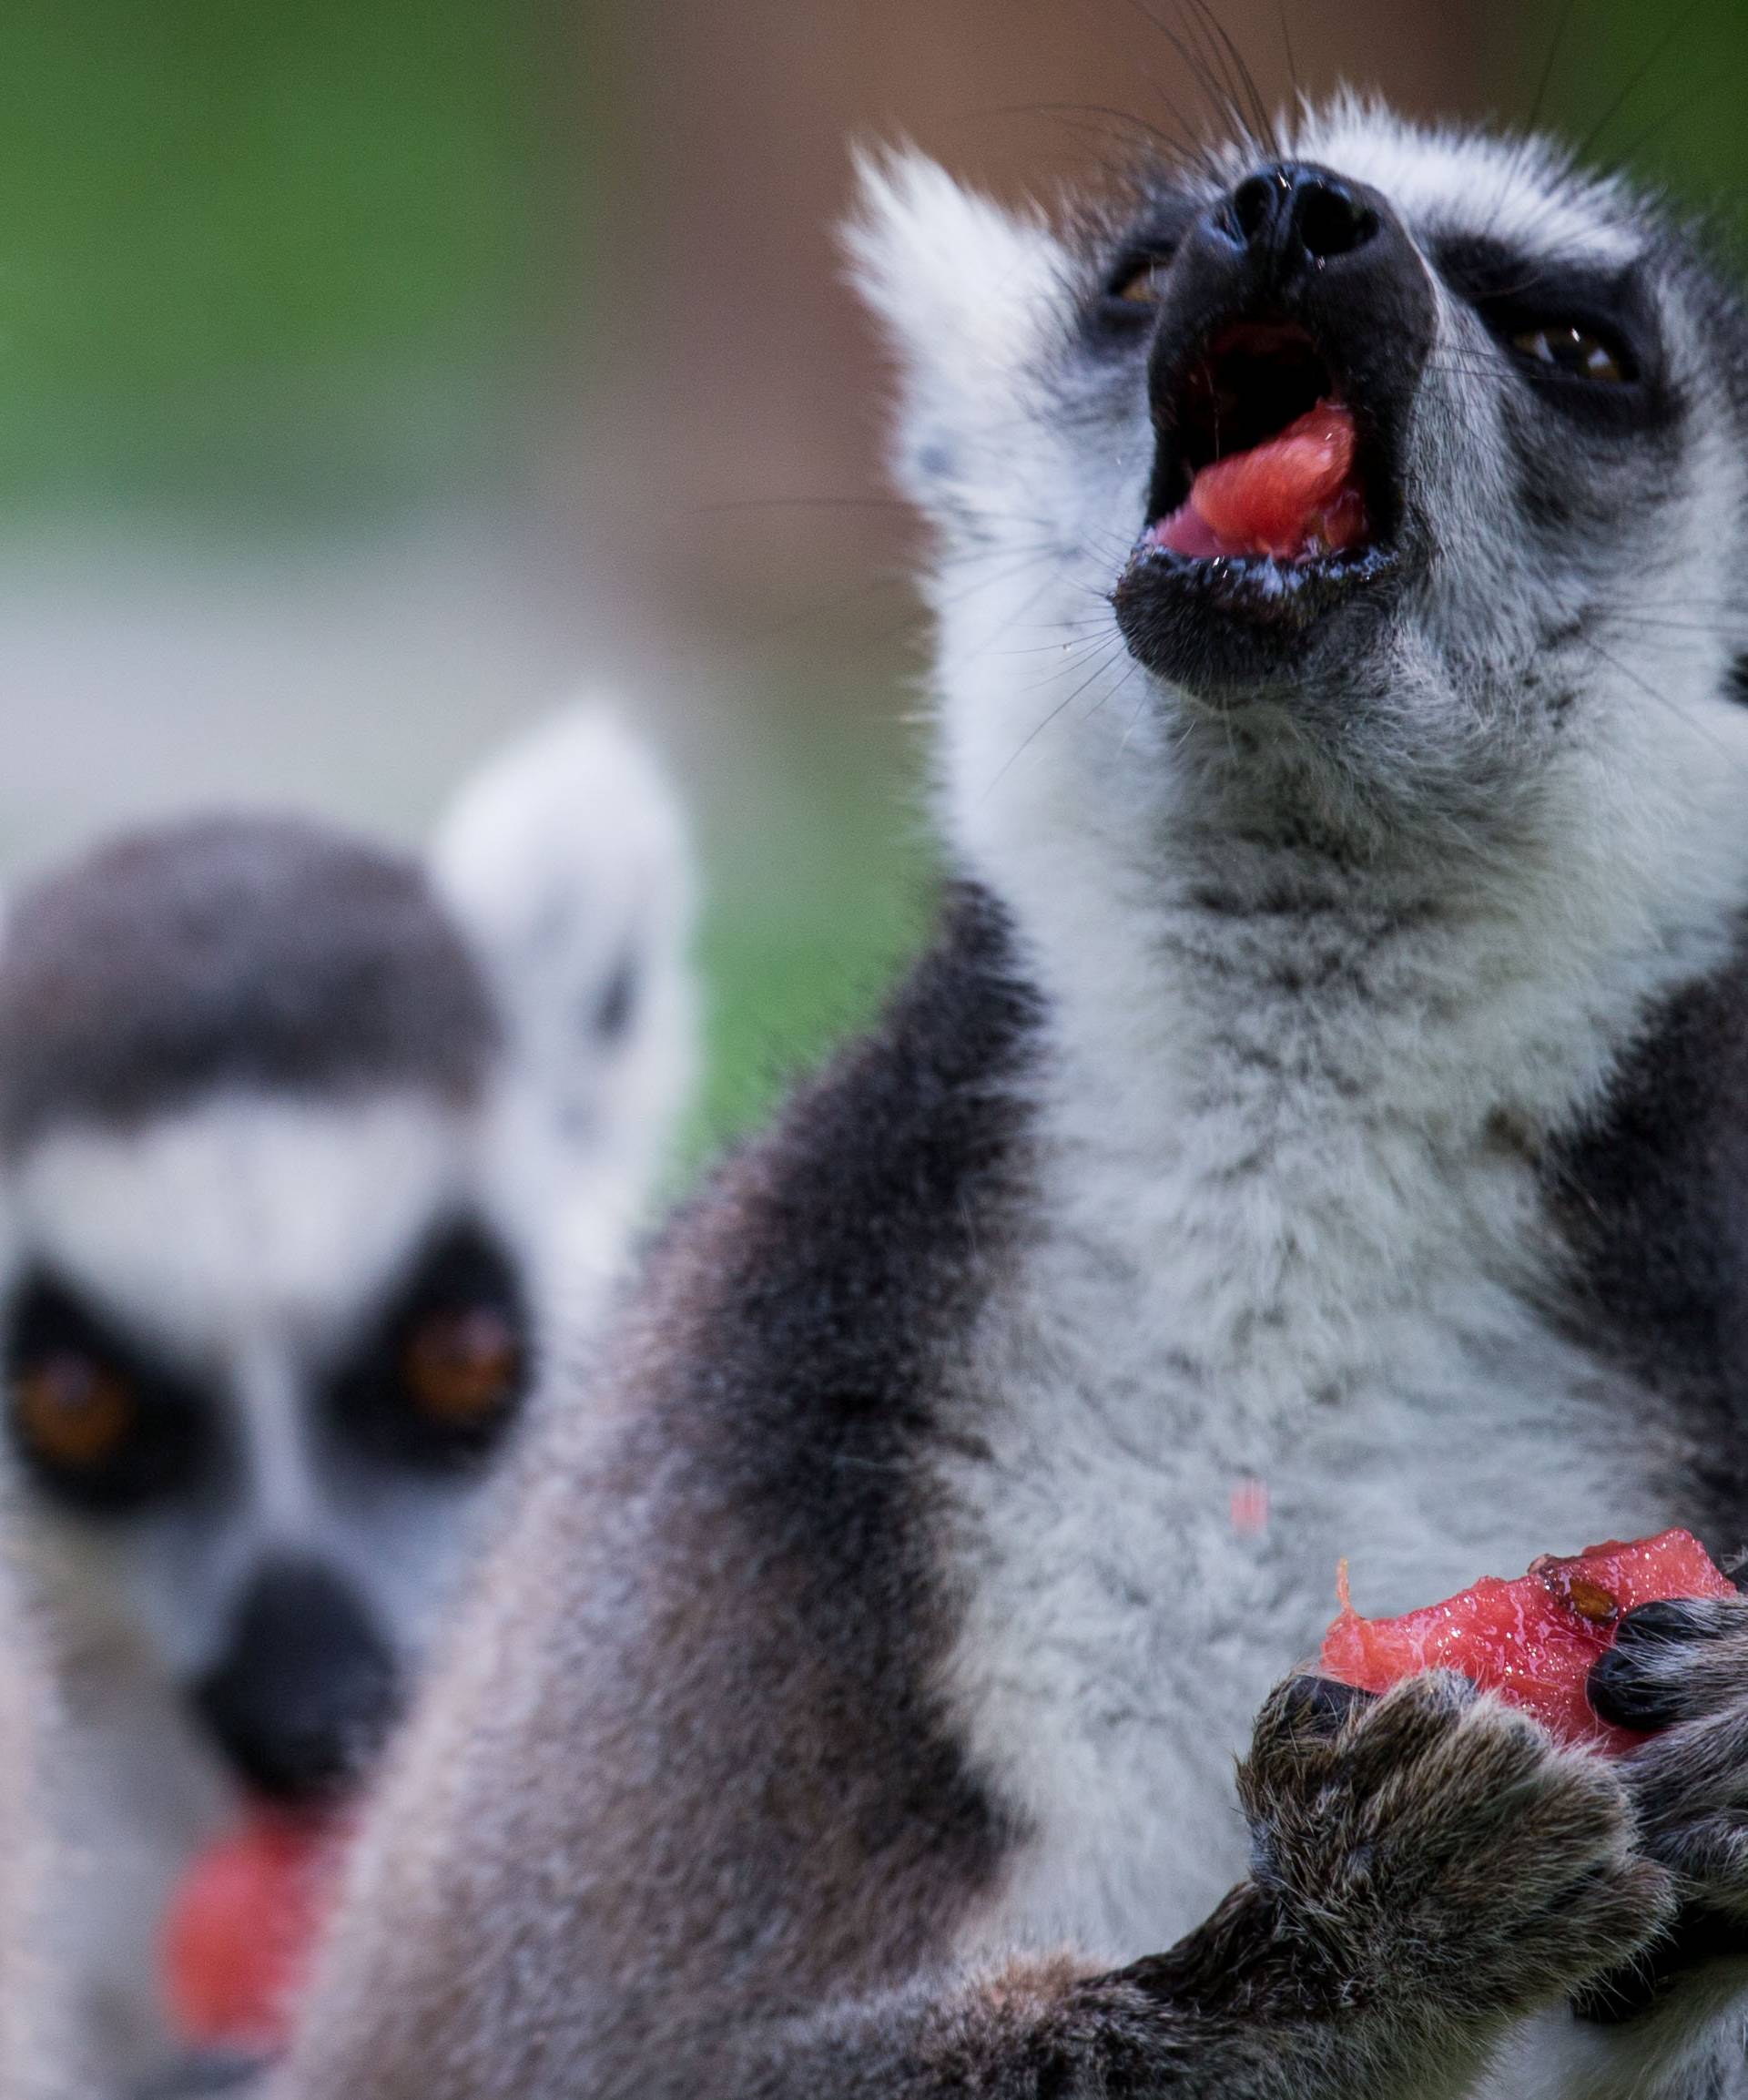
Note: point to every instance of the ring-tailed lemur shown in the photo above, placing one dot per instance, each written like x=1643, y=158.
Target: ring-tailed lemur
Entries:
x=1331, y=1074
x=305, y=1148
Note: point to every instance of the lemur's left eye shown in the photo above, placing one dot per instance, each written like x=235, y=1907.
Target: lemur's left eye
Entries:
x=461, y=1365
x=70, y=1411
x=1139, y=282
x=1574, y=352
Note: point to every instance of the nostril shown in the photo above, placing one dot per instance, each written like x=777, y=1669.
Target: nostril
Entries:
x=1328, y=219
x=1253, y=205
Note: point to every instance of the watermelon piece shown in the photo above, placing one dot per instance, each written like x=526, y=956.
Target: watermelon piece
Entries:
x=1293, y=497
x=1533, y=1640
x=240, y=1927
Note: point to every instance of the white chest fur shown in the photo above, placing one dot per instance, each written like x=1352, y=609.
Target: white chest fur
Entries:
x=1129, y=1612
x=1291, y=1238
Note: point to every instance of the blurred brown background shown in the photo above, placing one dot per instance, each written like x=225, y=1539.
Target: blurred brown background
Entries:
x=375, y=372
x=740, y=368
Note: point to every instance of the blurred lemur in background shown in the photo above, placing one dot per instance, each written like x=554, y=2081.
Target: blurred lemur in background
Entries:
x=310, y=1151
x=1332, y=1071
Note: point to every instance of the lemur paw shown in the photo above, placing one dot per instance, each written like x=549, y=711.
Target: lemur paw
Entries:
x=1436, y=1849
x=1681, y=1670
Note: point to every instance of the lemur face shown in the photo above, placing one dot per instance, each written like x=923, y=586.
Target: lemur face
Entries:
x=1372, y=463
x=258, y=1357
x=308, y=1154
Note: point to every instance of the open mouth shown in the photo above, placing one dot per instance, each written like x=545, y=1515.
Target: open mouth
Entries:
x=1274, y=519
x=1263, y=456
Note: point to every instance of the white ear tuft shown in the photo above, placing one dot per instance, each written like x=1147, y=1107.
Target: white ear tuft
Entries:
x=567, y=864
x=966, y=290
x=944, y=267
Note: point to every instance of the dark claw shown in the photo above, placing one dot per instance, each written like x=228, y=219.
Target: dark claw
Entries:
x=1320, y=1704
x=1677, y=1619
x=1627, y=1699
x=1639, y=1683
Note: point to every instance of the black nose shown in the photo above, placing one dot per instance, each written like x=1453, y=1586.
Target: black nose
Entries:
x=306, y=1688
x=1295, y=213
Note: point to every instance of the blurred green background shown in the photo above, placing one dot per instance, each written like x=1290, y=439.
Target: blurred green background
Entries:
x=255, y=249
x=553, y=287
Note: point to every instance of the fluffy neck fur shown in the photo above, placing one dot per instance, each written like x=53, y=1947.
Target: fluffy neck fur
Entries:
x=1333, y=1040
x=1288, y=1130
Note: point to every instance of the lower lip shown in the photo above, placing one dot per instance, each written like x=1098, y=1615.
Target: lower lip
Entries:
x=1267, y=575
x=1234, y=622
x=1184, y=534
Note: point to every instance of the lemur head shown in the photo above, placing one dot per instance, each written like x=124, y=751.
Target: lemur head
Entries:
x=296, y=1135
x=1369, y=480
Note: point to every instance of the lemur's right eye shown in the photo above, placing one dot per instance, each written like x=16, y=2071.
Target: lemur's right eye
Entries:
x=97, y=1425
x=1574, y=351
x=71, y=1410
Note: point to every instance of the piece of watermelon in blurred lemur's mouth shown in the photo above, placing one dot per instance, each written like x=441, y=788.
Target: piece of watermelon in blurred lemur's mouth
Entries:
x=1532, y=1641
x=240, y=1929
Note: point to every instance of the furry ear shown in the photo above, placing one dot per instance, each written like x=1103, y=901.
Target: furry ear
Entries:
x=966, y=292
x=566, y=862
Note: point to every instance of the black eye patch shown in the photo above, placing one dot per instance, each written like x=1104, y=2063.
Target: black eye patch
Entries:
x=442, y=1375
x=1129, y=275
x=1586, y=341
x=97, y=1425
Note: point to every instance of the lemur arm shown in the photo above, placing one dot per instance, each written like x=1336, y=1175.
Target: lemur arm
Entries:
x=1185, y=2024
x=1429, y=1869
x=1426, y=1870
x=1220, y=2016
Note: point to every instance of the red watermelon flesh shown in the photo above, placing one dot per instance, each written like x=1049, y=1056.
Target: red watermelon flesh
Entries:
x=240, y=1927
x=1532, y=1640
x=1295, y=496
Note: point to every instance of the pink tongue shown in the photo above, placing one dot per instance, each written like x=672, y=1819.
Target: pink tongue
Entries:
x=1294, y=496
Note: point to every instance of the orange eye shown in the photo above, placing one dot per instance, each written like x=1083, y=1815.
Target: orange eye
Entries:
x=72, y=1411
x=1140, y=284
x=462, y=1366
x=1566, y=348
